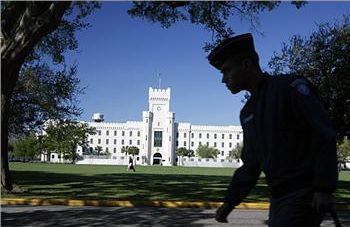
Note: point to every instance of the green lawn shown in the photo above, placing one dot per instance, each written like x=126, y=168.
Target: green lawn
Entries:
x=70, y=181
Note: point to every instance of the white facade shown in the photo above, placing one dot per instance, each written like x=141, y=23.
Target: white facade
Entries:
x=157, y=135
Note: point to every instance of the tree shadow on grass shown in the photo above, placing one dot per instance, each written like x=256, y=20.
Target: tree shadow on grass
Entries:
x=112, y=216
x=139, y=186
x=128, y=186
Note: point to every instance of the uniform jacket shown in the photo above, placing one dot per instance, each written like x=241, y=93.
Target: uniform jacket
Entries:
x=289, y=137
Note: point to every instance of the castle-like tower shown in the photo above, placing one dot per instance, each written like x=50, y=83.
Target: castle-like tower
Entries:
x=159, y=128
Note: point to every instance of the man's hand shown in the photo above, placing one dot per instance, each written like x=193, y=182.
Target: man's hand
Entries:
x=323, y=202
x=223, y=211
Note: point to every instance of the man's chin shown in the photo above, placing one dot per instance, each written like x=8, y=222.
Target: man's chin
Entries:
x=234, y=91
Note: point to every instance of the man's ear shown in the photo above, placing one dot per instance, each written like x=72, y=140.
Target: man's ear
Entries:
x=247, y=63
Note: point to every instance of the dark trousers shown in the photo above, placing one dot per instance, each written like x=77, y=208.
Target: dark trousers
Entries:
x=294, y=209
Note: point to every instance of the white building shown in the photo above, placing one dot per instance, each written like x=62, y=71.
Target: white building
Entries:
x=157, y=135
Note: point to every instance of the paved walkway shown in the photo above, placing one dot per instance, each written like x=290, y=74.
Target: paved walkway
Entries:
x=40, y=216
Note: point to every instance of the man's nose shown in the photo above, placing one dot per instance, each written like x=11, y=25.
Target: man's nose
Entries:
x=223, y=80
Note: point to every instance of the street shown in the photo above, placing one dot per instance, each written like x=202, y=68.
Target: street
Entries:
x=140, y=216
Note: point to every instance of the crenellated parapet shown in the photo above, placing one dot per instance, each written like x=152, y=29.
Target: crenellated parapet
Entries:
x=129, y=125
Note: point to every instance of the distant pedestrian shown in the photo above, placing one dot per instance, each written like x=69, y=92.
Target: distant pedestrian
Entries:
x=131, y=165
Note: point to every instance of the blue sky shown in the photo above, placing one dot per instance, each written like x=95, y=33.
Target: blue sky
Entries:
x=119, y=58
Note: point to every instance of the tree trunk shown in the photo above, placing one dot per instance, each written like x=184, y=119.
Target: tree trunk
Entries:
x=24, y=24
x=6, y=180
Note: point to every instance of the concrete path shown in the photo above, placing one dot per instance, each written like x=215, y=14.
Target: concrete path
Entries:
x=39, y=216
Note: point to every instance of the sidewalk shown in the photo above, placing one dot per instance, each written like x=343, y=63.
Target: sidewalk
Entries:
x=44, y=216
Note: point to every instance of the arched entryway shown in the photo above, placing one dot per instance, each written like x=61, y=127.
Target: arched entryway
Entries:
x=157, y=159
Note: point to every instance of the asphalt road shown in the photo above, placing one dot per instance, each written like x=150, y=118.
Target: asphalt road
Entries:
x=141, y=216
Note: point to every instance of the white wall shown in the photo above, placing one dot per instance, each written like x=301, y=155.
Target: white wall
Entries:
x=209, y=162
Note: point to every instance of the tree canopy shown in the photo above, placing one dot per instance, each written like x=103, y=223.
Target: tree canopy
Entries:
x=324, y=59
x=42, y=94
x=133, y=150
x=211, y=15
x=182, y=151
x=236, y=152
x=63, y=137
x=205, y=151
x=27, y=147
x=343, y=149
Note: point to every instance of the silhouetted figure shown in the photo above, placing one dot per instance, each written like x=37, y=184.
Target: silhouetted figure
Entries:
x=287, y=135
x=131, y=165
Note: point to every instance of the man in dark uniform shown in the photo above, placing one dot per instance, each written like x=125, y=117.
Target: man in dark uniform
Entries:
x=287, y=135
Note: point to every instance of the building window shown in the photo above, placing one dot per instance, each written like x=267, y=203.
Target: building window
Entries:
x=158, y=138
x=107, y=133
x=53, y=156
x=184, y=134
x=91, y=141
x=200, y=135
x=123, y=133
x=230, y=136
x=106, y=149
x=177, y=143
x=177, y=135
x=130, y=142
x=138, y=142
x=184, y=143
x=192, y=144
x=215, y=136
x=122, y=142
x=99, y=141
x=114, y=150
x=99, y=132
x=223, y=136
x=138, y=133
x=222, y=144
x=130, y=133
x=192, y=135
x=107, y=141
x=200, y=143
x=230, y=145
x=222, y=153
x=115, y=133
x=238, y=136
x=207, y=135
x=208, y=144
x=237, y=144
x=115, y=141
x=214, y=144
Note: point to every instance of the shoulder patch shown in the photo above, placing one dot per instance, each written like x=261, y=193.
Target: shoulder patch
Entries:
x=301, y=86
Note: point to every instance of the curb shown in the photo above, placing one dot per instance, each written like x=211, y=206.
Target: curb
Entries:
x=130, y=203
x=126, y=203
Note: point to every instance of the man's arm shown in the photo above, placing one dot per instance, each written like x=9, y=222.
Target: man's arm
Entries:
x=243, y=180
x=307, y=105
